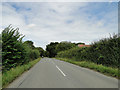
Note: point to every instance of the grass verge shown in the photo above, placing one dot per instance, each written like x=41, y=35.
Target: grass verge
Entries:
x=12, y=74
x=0, y=79
x=100, y=68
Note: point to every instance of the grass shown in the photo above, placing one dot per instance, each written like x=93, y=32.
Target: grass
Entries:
x=100, y=68
x=0, y=80
x=13, y=73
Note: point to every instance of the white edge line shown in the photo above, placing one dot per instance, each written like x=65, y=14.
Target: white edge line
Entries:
x=60, y=70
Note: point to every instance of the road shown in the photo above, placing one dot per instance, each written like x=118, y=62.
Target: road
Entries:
x=52, y=73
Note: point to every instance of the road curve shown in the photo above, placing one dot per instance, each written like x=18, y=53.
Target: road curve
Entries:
x=52, y=73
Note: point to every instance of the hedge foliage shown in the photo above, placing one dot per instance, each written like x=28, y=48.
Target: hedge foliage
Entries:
x=106, y=52
x=0, y=50
x=54, y=47
x=14, y=51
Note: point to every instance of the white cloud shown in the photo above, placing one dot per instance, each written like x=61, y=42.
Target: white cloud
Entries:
x=31, y=25
x=46, y=22
x=60, y=0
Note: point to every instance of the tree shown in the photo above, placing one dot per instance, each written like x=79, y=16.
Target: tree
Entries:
x=51, y=48
x=30, y=44
x=32, y=51
x=41, y=51
x=64, y=46
x=0, y=49
x=46, y=54
x=13, y=52
x=80, y=43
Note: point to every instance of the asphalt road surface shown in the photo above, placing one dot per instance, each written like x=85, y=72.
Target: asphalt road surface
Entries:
x=52, y=73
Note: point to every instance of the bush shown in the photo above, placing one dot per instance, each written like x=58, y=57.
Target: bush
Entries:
x=71, y=53
x=13, y=73
x=35, y=54
x=54, y=47
x=13, y=52
x=0, y=60
x=62, y=46
x=105, y=52
x=100, y=68
x=32, y=53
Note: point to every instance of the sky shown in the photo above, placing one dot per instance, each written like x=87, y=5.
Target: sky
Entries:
x=45, y=22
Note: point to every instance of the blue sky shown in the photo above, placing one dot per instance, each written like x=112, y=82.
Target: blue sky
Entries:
x=75, y=22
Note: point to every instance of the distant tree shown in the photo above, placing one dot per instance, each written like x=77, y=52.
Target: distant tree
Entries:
x=80, y=43
x=64, y=46
x=41, y=51
x=51, y=48
x=30, y=44
x=33, y=52
x=46, y=54
x=54, y=47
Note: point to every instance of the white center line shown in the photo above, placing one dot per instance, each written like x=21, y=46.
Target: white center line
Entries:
x=60, y=70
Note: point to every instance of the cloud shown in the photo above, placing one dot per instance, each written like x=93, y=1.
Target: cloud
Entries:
x=31, y=25
x=60, y=0
x=76, y=22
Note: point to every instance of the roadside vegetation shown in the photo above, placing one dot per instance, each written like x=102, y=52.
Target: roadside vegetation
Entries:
x=16, y=52
x=13, y=73
x=53, y=48
x=110, y=71
x=17, y=55
x=102, y=56
x=0, y=61
x=0, y=80
x=105, y=52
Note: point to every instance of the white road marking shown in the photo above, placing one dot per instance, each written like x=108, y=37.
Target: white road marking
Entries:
x=60, y=70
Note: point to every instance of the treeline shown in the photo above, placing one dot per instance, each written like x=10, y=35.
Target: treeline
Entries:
x=106, y=52
x=54, y=47
x=15, y=52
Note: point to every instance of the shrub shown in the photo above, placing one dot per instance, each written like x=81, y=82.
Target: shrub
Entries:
x=106, y=52
x=13, y=52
